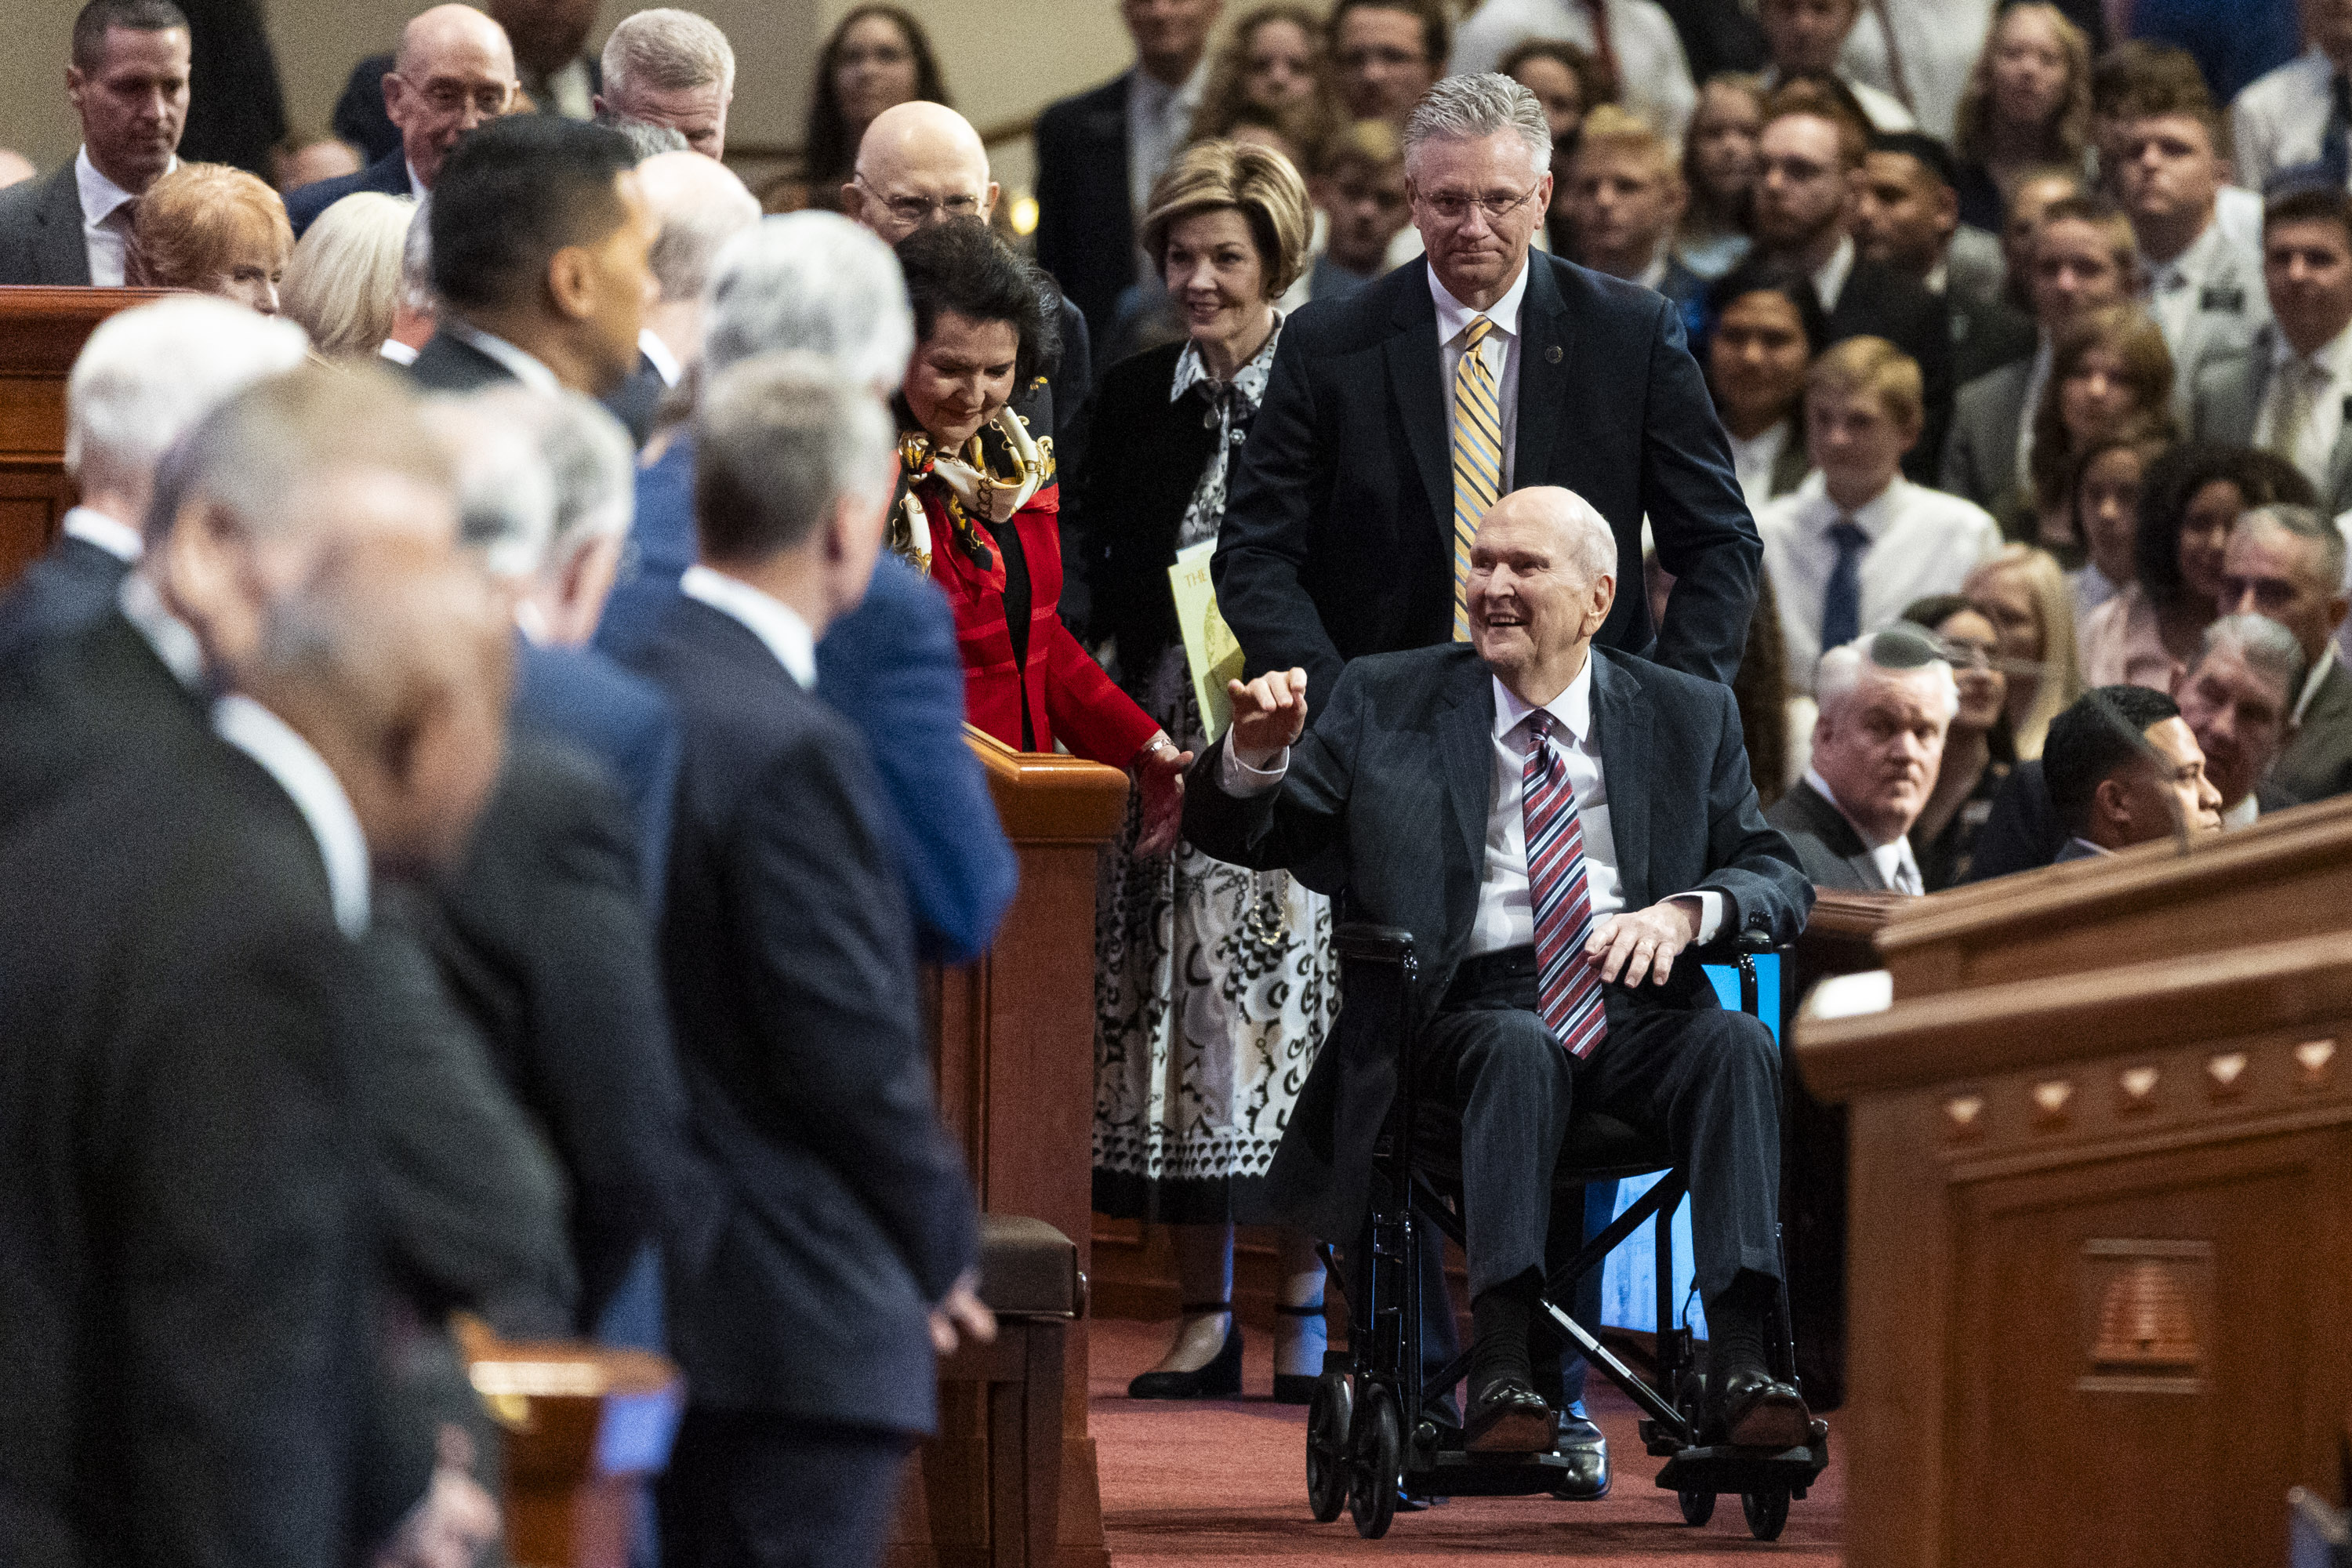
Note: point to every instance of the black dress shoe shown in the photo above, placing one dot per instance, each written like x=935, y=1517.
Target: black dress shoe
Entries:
x=1757, y=1411
x=1221, y=1378
x=1580, y=1442
x=1508, y=1418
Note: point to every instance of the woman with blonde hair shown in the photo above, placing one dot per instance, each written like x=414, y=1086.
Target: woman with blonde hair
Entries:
x=343, y=282
x=2027, y=105
x=2110, y=373
x=2023, y=590
x=1272, y=62
x=1214, y=984
x=1719, y=169
x=214, y=230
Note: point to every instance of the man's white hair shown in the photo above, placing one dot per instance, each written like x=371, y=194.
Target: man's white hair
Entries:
x=541, y=476
x=149, y=373
x=1471, y=108
x=1898, y=653
x=1591, y=543
x=667, y=50
x=700, y=204
x=816, y=282
x=417, y=262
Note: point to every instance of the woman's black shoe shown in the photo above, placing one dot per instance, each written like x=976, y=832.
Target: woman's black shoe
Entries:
x=1221, y=1378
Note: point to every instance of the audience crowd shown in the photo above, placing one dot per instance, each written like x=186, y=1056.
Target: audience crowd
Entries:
x=483, y=759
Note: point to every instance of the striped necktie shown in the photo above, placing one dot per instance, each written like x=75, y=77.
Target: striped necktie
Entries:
x=1477, y=460
x=1568, y=979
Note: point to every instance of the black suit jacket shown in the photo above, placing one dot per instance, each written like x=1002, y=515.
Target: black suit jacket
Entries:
x=450, y=364
x=1130, y=498
x=1338, y=532
x=789, y=958
x=387, y=175
x=40, y=231
x=1881, y=302
x=67, y=589
x=1830, y=852
x=1394, y=784
x=1085, y=223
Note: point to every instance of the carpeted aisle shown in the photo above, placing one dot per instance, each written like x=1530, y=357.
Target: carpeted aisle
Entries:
x=1225, y=1482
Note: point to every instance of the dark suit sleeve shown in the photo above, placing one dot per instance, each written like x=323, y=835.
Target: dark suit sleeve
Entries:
x=1073, y=394
x=1300, y=821
x=1705, y=538
x=833, y=983
x=1059, y=237
x=1754, y=865
x=1283, y=479
x=2022, y=830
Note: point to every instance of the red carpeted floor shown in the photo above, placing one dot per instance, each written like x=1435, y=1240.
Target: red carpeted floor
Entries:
x=1223, y=1482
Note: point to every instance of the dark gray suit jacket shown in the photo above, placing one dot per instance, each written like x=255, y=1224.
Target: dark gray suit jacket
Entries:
x=1981, y=453
x=451, y=365
x=67, y=588
x=2226, y=402
x=388, y=175
x=2317, y=761
x=40, y=232
x=1830, y=852
x=1393, y=786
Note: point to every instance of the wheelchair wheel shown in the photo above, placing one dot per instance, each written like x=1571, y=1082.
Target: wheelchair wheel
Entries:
x=1767, y=1511
x=1326, y=1447
x=1697, y=1506
x=1377, y=1472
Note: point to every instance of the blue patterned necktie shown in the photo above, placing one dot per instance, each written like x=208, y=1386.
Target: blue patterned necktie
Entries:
x=1842, y=600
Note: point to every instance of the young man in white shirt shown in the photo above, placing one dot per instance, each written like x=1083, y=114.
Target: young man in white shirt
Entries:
x=2204, y=290
x=2287, y=119
x=1858, y=541
x=1624, y=197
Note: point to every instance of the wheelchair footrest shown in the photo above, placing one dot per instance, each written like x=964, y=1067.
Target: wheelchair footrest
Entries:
x=1722, y=1469
x=1453, y=1472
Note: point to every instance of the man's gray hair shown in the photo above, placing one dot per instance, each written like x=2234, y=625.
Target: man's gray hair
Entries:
x=2269, y=649
x=1898, y=652
x=149, y=373
x=1469, y=108
x=2304, y=523
x=540, y=477
x=646, y=138
x=417, y=262
x=816, y=282
x=780, y=439
x=700, y=204
x=667, y=50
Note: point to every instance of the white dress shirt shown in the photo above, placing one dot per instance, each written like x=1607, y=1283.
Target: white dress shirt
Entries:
x=175, y=643
x=2173, y=285
x=1654, y=73
x=1897, y=866
x=2278, y=121
x=657, y=352
x=118, y=539
x=316, y=793
x=1938, y=41
x=1829, y=282
x=1499, y=351
x=1754, y=460
x=524, y=366
x=105, y=225
x=2245, y=813
x=396, y=352
x=1922, y=541
x=2328, y=371
x=769, y=618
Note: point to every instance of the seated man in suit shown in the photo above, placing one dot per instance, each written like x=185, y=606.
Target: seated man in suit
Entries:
x=848, y=1252
x=1556, y=823
x=1396, y=417
x=454, y=71
x=129, y=87
x=2286, y=392
x=2287, y=562
x=540, y=240
x=1885, y=704
x=2122, y=768
x=143, y=377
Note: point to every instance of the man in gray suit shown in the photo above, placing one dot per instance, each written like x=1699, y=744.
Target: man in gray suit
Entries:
x=128, y=84
x=2286, y=391
x=2287, y=562
x=1886, y=703
x=2205, y=290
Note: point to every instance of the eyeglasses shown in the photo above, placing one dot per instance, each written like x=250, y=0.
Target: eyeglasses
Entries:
x=1394, y=60
x=445, y=96
x=1455, y=208
x=917, y=210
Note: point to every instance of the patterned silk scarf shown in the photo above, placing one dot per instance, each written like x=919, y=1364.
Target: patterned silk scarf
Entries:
x=968, y=491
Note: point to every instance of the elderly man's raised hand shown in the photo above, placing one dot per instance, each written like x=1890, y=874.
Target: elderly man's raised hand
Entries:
x=1269, y=713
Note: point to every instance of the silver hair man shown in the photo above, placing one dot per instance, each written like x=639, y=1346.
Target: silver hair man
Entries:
x=781, y=442
x=2268, y=648
x=1468, y=108
x=671, y=67
x=699, y=206
x=816, y=282
x=1894, y=654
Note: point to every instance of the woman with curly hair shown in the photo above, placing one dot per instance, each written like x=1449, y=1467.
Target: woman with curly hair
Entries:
x=1272, y=64
x=212, y=229
x=2027, y=105
x=879, y=58
x=2109, y=372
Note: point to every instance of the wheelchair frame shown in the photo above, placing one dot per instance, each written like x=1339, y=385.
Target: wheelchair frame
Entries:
x=1370, y=1436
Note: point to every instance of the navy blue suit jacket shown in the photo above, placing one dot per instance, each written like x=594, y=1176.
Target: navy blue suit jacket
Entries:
x=789, y=959
x=618, y=721
x=891, y=669
x=1337, y=538
x=388, y=175
x=64, y=591
x=1086, y=228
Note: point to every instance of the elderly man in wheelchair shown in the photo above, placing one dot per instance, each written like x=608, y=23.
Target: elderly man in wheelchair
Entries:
x=1550, y=829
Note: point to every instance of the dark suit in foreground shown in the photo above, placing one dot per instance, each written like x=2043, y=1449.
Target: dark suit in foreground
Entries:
x=387, y=175
x=67, y=588
x=41, y=239
x=789, y=959
x=1831, y=852
x=1339, y=536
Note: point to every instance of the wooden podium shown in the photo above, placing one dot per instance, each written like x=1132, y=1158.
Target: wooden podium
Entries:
x=41, y=333
x=2101, y=1206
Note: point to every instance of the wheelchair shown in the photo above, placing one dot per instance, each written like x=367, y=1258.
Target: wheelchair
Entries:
x=1372, y=1434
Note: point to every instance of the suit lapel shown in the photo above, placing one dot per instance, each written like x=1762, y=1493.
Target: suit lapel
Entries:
x=2339, y=466
x=1621, y=738
x=1464, y=735
x=1546, y=352
x=1838, y=833
x=1417, y=374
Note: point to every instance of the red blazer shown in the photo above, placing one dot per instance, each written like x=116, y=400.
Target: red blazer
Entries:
x=1069, y=695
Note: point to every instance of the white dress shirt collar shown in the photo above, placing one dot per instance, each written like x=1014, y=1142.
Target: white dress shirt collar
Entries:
x=1893, y=860
x=1654, y=274
x=2195, y=261
x=525, y=367
x=101, y=198
x=665, y=363
x=415, y=183
x=1571, y=709
x=173, y=640
x=1828, y=283
x=2243, y=813
x=773, y=621
x=396, y=352
x=1874, y=517
x=316, y=793
x=117, y=538
x=1453, y=316
x=2333, y=356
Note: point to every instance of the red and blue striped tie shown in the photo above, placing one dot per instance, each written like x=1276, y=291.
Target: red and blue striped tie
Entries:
x=1568, y=982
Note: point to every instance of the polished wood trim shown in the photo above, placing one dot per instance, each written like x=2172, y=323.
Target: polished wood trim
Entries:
x=1046, y=797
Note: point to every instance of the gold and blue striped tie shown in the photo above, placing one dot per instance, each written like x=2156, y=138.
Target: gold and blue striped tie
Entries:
x=1477, y=460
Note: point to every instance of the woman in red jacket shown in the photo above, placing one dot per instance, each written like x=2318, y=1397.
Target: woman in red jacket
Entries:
x=979, y=511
